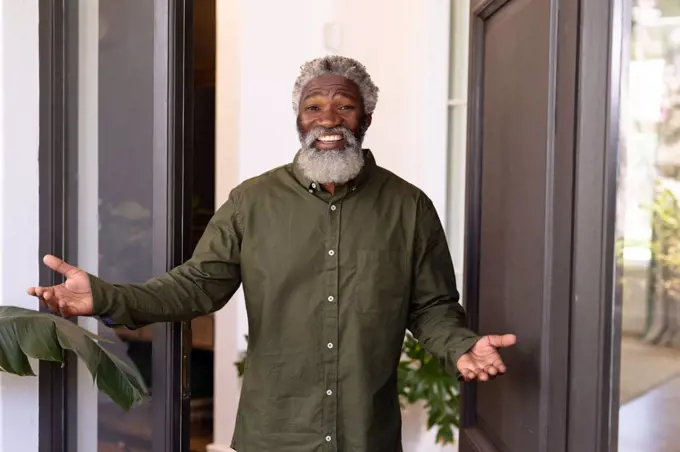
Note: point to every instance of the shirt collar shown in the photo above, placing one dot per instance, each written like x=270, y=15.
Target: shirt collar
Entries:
x=313, y=186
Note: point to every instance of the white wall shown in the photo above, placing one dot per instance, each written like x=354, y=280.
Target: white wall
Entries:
x=227, y=332
x=19, y=121
x=261, y=45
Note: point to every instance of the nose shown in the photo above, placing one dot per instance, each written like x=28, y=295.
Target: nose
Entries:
x=329, y=118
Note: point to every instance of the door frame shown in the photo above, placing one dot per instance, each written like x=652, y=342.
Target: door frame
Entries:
x=580, y=357
x=595, y=332
x=173, y=140
x=57, y=386
x=173, y=144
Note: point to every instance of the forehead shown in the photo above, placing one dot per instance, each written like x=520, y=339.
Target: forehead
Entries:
x=330, y=85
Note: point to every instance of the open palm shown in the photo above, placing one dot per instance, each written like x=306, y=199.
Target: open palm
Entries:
x=483, y=360
x=71, y=298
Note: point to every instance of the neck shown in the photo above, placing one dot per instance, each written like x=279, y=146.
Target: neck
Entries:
x=330, y=188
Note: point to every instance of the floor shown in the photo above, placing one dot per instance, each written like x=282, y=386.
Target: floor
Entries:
x=645, y=366
x=650, y=398
x=651, y=423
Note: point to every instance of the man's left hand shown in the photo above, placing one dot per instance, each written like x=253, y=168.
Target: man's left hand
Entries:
x=483, y=360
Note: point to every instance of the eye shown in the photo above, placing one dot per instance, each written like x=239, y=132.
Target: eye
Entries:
x=312, y=108
x=347, y=107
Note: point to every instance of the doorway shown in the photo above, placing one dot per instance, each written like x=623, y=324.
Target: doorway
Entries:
x=542, y=173
x=115, y=155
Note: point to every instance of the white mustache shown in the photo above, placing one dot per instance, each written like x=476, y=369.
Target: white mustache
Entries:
x=310, y=137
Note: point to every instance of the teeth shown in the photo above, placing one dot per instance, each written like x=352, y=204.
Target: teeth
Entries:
x=330, y=138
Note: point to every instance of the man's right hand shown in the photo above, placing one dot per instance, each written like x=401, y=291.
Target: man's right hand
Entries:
x=73, y=297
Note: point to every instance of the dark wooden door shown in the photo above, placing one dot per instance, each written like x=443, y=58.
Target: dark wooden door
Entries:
x=542, y=141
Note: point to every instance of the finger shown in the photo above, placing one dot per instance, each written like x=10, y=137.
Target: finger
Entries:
x=505, y=340
x=491, y=370
x=52, y=306
x=47, y=294
x=474, y=372
x=59, y=265
x=31, y=291
x=498, y=364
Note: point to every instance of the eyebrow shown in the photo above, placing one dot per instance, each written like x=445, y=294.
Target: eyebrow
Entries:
x=322, y=93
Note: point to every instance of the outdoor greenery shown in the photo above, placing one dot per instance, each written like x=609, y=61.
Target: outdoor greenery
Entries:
x=665, y=246
x=422, y=379
x=26, y=333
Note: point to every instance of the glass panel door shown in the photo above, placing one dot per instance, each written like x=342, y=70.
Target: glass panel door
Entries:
x=648, y=227
x=125, y=195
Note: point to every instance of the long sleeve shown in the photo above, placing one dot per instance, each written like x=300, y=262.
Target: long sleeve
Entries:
x=436, y=318
x=200, y=286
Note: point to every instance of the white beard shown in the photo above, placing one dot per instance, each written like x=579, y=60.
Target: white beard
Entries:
x=336, y=166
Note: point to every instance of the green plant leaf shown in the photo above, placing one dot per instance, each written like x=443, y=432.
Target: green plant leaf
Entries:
x=27, y=333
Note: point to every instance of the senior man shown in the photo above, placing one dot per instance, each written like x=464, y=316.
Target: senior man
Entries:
x=338, y=257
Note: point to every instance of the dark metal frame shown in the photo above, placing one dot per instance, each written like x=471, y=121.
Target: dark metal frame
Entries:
x=580, y=359
x=173, y=137
x=173, y=144
x=57, y=385
x=596, y=306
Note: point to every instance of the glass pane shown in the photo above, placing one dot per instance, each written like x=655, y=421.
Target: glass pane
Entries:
x=115, y=196
x=648, y=224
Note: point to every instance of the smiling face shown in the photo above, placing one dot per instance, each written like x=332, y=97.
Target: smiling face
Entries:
x=331, y=125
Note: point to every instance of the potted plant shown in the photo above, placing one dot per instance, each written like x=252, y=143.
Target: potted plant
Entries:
x=26, y=333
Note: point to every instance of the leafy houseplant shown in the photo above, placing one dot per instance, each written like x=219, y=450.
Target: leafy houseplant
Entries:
x=421, y=378
x=27, y=333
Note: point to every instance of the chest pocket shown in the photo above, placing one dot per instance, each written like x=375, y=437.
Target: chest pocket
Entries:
x=383, y=281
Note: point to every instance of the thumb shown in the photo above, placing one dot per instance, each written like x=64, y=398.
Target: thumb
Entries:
x=505, y=340
x=59, y=265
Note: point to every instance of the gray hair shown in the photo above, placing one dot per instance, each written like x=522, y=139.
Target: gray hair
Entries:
x=337, y=65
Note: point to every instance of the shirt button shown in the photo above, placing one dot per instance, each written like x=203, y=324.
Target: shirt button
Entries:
x=330, y=345
x=329, y=392
x=311, y=191
x=331, y=252
x=331, y=298
x=333, y=208
x=313, y=185
x=328, y=439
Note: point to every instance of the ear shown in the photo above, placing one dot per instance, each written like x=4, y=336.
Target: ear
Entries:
x=368, y=120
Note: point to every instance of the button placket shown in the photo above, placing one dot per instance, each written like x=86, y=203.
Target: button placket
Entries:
x=331, y=322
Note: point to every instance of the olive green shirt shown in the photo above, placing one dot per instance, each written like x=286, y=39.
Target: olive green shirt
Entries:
x=331, y=284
